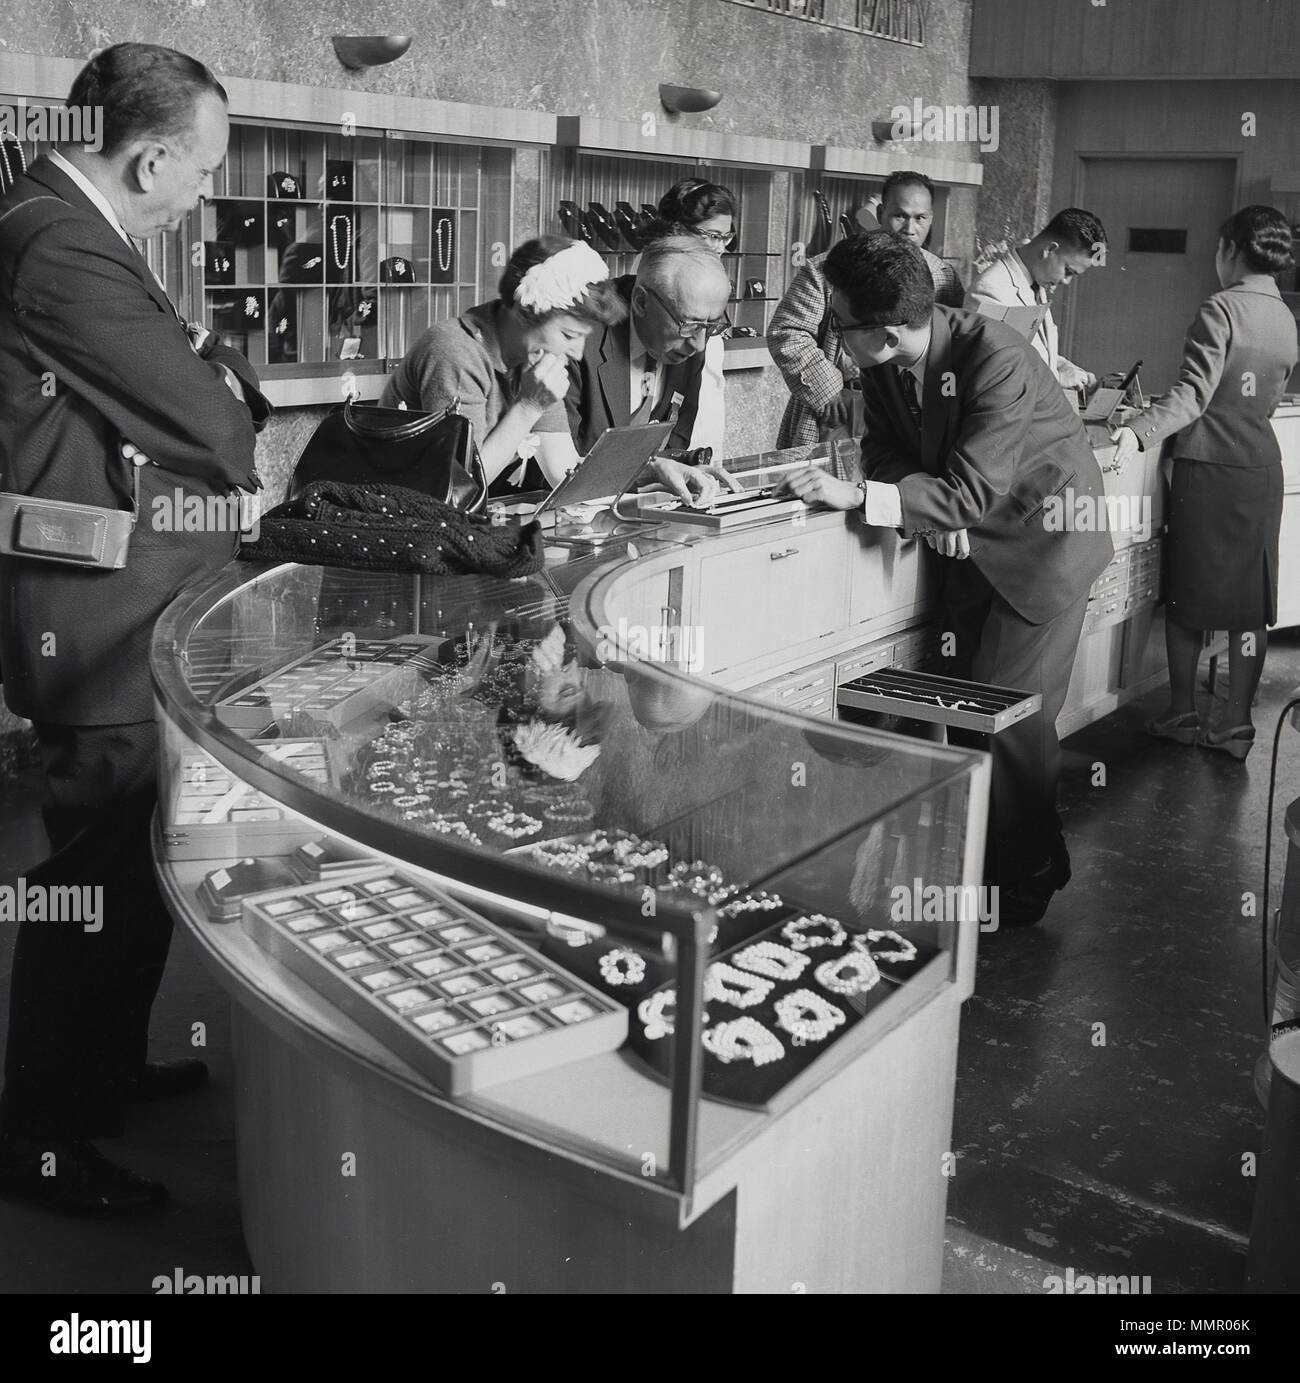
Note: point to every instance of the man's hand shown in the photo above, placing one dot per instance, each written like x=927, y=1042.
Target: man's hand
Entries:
x=1126, y=448
x=816, y=486
x=954, y=543
x=696, y=485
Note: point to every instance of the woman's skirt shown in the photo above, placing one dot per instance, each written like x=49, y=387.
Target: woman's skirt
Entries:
x=1221, y=547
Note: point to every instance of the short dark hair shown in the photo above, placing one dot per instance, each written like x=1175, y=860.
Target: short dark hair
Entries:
x=600, y=304
x=905, y=177
x=143, y=89
x=1078, y=229
x=1261, y=236
x=885, y=279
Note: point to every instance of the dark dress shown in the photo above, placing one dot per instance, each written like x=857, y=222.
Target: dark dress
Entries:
x=1225, y=503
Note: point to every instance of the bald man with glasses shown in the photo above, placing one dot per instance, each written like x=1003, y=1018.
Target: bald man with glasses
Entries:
x=650, y=367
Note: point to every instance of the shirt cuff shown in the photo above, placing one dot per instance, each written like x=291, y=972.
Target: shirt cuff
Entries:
x=884, y=505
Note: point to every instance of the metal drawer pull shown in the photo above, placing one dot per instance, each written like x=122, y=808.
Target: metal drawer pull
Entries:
x=787, y=552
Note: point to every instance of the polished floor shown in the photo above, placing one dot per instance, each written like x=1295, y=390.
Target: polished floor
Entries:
x=1105, y=1100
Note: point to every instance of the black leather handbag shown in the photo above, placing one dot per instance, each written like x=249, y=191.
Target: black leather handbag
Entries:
x=363, y=444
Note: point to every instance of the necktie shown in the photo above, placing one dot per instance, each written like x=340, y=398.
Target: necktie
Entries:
x=907, y=382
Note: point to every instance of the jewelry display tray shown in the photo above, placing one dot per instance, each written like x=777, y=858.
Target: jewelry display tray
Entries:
x=468, y=1005
x=743, y=1083
x=938, y=700
x=334, y=683
x=212, y=814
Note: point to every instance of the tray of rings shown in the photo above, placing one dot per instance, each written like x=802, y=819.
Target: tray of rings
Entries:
x=776, y=1002
x=458, y=998
x=938, y=700
x=334, y=683
x=213, y=815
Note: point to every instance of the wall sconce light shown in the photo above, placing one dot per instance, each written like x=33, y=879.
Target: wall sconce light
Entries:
x=885, y=131
x=687, y=98
x=356, y=53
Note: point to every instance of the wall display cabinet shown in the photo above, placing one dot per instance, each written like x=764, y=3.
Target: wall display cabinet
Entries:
x=609, y=201
x=328, y=254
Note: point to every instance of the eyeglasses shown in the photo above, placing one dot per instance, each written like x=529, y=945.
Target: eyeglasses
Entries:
x=844, y=327
x=686, y=328
x=718, y=239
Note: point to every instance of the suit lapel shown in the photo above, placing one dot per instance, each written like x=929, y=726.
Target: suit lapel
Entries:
x=1020, y=280
x=613, y=374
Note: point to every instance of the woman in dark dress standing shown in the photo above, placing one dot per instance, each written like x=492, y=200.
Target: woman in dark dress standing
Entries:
x=1225, y=503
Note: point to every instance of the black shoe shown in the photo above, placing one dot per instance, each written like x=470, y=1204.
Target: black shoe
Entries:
x=1023, y=903
x=160, y=1080
x=72, y=1177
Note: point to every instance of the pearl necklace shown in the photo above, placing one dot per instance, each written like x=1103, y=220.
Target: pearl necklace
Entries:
x=795, y=932
x=776, y=962
x=743, y=1039
x=903, y=951
x=863, y=973
x=621, y=966
x=444, y=262
x=821, y=1020
x=341, y=262
x=734, y=987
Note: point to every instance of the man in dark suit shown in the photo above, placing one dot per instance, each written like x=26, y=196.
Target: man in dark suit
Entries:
x=104, y=389
x=970, y=443
x=660, y=359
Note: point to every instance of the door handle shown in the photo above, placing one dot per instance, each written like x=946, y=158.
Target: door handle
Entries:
x=785, y=552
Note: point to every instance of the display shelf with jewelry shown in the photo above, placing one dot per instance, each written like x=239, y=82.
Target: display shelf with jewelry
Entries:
x=326, y=252
x=612, y=203
x=464, y=1002
x=626, y=826
x=779, y=1000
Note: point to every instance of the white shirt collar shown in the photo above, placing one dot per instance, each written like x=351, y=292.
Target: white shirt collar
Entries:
x=92, y=192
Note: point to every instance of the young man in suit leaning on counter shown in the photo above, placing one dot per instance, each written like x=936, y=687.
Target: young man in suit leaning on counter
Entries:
x=968, y=435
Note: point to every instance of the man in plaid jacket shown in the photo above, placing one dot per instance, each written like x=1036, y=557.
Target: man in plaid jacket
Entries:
x=803, y=341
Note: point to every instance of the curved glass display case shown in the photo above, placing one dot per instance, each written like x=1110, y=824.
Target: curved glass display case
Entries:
x=495, y=858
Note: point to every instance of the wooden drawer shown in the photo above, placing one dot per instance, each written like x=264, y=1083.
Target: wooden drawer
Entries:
x=868, y=659
x=796, y=687
x=771, y=596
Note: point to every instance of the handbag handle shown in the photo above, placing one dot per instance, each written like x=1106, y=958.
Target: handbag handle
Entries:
x=373, y=429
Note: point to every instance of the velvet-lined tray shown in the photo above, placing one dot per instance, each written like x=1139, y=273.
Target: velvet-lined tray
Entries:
x=740, y=1081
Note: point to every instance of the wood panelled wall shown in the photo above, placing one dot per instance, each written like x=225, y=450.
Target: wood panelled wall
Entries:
x=1146, y=39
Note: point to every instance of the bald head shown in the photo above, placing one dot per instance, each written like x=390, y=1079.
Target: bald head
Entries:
x=680, y=284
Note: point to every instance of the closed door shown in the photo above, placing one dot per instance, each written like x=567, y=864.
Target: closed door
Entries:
x=1162, y=218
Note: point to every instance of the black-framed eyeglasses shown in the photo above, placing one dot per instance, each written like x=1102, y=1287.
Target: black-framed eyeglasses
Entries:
x=844, y=327
x=687, y=327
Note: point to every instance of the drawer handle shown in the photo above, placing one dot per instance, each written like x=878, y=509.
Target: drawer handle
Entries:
x=785, y=552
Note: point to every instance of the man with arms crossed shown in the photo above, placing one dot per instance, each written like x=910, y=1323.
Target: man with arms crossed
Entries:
x=103, y=386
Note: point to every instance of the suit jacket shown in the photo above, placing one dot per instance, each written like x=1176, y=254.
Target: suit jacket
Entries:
x=1237, y=357
x=92, y=354
x=1007, y=282
x=602, y=396
x=998, y=438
